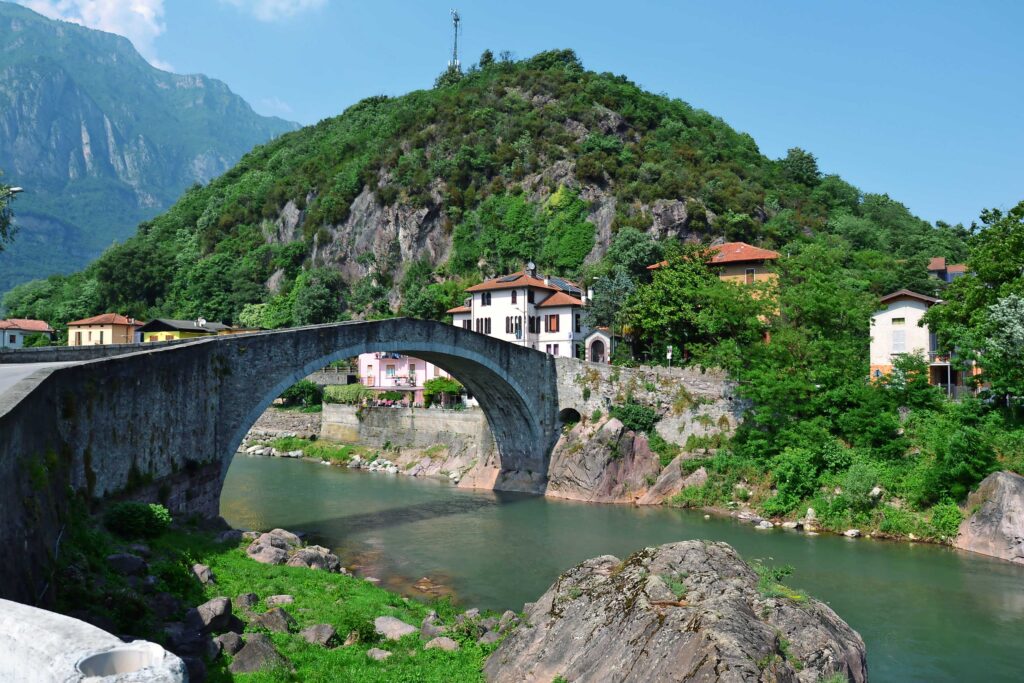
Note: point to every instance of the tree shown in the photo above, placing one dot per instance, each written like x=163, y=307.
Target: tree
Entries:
x=801, y=167
x=610, y=294
x=318, y=297
x=1002, y=346
x=7, y=229
x=634, y=250
x=444, y=387
x=486, y=59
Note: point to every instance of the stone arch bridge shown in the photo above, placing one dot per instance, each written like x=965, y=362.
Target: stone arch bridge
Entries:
x=162, y=422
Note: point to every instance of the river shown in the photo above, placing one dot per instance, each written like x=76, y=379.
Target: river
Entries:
x=926, y=613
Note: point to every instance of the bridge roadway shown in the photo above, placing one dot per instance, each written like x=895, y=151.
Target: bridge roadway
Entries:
x=11, y=374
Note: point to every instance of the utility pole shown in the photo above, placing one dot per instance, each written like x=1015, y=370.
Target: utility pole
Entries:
x=456, y=20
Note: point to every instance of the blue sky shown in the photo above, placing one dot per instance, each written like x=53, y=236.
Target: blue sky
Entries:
x=919, y=99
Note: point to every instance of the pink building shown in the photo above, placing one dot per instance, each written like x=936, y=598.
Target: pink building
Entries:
x=395, y=372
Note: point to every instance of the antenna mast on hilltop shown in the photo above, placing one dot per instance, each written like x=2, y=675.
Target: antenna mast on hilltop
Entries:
x=454, y=64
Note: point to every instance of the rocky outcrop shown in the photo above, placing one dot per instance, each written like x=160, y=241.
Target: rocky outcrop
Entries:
x=996, y=527
x=688, y=611
x=601, y=463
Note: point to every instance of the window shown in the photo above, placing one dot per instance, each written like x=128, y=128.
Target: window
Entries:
x=168, y=337
x=78, y=338
x=514, y=296
x=412, y=372
x=154, y=337
x=534, y=322
x=529, y=296
x=519, y=327
x=487, y=325
x=13, y=339
x=899, y=321
x=101, y=336
x=578, y=322
x=547, y=349
x=390, y=371
x=899, y=341
x=485, y=299
x=437, y=371
x=750, y=276
x=551, y=323
x=90, y=335
x=508, y=324
x=556, y=349
x=467, y=324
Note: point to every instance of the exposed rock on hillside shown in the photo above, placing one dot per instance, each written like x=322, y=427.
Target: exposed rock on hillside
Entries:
x=997, y=528
x=688, y=611
x=601, y=463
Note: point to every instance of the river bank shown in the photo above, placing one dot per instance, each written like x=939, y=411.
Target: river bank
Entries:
x=498, y=550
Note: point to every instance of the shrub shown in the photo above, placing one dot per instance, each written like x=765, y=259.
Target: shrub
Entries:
x=304, y=393
x=349, y=394
x=137, y=520
x=391, y=396
x=443, y=387
x=946, y=518
x=898, y=522
x=596, y=415
x=637, y=417
x=666, y=451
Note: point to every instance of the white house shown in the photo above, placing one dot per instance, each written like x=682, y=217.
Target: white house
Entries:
x=14, y=331
x=897, y=330
x=541, y=312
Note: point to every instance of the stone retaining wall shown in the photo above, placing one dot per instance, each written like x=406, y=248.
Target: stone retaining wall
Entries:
x=407, y=427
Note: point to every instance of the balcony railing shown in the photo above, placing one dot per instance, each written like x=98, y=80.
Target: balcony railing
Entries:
x=936, y=358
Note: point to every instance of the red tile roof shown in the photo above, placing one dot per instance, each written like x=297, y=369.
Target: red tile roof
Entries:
x=910, y=295
x=937, y=263
x=738, y=252
x=25, y=325
x=516, y=280
x=460, y=309
x=732, y=252
x=106, y=319
x=560, y=299
x=957, y=268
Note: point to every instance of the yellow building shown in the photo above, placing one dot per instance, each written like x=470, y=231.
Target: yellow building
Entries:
x=99, y=330
x=162, y=329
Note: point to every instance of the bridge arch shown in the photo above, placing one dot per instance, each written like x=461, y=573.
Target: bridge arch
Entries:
x=517, y=420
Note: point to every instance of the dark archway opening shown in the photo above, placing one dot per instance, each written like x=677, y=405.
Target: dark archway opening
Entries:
x=597, y=351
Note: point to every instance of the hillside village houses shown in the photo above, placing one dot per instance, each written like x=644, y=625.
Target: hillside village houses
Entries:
x=14, y=331
x=163, y=329
x=738, y=262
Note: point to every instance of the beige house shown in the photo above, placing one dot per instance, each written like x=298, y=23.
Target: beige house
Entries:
x=108, y=328
x=738, y=262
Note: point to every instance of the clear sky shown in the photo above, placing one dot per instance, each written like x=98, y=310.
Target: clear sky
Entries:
x=922, y=99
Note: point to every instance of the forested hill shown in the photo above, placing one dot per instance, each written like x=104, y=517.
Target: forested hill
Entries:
x=398, y=203
x=101, y=140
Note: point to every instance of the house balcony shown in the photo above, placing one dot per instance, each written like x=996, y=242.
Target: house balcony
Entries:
x=936, y=358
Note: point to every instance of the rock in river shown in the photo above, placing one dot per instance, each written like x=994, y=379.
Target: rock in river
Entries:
x=997, y=526
x=688, y=611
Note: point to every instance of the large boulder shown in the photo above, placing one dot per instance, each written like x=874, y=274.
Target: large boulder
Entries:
x=603, y=463
x=688, y=611
x=392, y=628
x=997, y=526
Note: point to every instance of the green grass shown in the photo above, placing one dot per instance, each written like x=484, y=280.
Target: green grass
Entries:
x=319, y=449
x=347, y=603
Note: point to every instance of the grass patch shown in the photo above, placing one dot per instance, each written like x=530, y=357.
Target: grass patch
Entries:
x=347, y=603
x=769, y=582
x=319, y=449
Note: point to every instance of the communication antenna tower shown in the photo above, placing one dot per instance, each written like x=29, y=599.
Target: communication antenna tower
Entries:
x=456, y=20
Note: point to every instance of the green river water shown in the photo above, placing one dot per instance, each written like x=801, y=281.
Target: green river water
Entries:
x=926, y=613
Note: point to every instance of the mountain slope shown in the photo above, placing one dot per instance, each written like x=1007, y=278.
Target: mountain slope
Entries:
x=411, y=197
x=102, y=140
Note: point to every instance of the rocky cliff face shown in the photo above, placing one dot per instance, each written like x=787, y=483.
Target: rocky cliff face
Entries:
x=601, y=463
x=997, y=526
x=687, y=611
x=102, y=140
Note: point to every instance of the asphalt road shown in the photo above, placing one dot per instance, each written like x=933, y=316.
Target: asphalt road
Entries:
x=14, y=373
